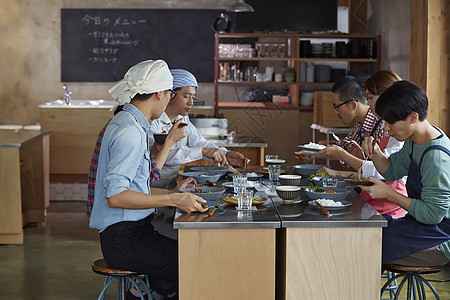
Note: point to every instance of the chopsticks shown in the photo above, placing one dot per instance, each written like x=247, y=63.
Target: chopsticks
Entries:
x=324, y=210
x=366, y=158
x=211, y=212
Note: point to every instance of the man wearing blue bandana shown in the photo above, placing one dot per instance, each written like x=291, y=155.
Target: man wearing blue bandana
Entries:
x=191, y=148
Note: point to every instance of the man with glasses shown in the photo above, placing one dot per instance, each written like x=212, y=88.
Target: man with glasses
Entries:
x=350, y=105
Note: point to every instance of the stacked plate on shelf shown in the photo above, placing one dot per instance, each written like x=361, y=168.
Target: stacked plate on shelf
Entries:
x=317, y=50
x=327, y=49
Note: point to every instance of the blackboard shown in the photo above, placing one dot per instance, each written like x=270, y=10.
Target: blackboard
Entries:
x=100, y=45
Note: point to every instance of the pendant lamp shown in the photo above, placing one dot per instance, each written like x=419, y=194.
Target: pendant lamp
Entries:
x=240, y=6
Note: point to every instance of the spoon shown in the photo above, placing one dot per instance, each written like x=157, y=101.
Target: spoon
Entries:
x=335, y=137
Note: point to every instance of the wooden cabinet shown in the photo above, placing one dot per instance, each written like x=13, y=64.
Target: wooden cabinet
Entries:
x=293, y=58
x=24, y=182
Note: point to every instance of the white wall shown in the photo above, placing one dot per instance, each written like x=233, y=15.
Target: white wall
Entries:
x=391, y=19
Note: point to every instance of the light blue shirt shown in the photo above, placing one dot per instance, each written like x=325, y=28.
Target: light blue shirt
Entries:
x=124, y=164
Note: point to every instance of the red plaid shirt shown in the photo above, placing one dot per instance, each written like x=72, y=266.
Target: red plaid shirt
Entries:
x=155, y=172
x=361, y=131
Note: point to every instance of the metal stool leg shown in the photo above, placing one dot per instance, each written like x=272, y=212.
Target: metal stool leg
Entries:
x=106, y=284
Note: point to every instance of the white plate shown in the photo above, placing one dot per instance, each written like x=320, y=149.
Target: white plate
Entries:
x=345, y=204
x=309, y=149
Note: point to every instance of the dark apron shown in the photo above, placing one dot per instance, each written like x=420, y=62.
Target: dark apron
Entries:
x=406, y=235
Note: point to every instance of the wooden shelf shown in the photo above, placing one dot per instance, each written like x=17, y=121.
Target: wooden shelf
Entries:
x=294, y=60
x=298, y=59
x=268, y=105
x=274, y=83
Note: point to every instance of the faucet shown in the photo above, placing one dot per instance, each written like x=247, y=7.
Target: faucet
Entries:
x=68, y=94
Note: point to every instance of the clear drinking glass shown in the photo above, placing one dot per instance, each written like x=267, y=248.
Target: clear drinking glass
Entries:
x=239, y=183
x=244, y=216
x=245, y=199
x=274, y=175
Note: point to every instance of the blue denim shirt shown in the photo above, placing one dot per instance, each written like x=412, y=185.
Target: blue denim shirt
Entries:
x=124, y=164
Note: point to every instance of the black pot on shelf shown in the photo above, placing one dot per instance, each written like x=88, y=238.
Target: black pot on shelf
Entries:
x=355, y=49
x=341, y=50
x=305, y=48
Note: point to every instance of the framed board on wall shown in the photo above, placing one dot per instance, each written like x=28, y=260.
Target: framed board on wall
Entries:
x=100, y=45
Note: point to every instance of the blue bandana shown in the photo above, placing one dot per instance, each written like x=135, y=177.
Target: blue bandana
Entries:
x=183, y=78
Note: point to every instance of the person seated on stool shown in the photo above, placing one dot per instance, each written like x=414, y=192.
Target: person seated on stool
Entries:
x=422, y=237
x=191, y=148
x=124, y=201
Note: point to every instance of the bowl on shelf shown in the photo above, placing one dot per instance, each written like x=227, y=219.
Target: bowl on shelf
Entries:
x=288, y=193
x=290, y=179
x=336, y=195
x=160, y=138
x=210, y=194
x=201, y=177
x=307, y=170
x=209, y=169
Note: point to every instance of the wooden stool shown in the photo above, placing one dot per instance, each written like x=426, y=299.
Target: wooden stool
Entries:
x=123, y=279
x=415, y=281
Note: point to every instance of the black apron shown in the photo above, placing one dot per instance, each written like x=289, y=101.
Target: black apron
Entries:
x=406, y=235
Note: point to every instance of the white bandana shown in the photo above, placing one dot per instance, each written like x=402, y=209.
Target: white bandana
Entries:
x=143, y=78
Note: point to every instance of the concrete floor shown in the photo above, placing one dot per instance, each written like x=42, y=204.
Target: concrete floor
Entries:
x=55, y=260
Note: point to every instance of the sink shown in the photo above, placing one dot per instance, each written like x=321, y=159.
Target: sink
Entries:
x=80, y=103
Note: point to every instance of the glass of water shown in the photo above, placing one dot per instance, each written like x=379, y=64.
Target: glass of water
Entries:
x=245, y=199
x=330, y=182
x=239, y=183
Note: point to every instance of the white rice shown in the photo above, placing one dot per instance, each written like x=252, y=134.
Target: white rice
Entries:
x=329, y=202
x=314, y=146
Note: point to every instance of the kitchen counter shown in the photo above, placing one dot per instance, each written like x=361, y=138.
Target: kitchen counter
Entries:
x=24, y=181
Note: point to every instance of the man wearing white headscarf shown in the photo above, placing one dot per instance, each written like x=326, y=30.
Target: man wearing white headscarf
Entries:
x=191, y=148
x=124, y=202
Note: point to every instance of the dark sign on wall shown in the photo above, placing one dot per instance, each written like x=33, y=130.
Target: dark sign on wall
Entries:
x=100, y=45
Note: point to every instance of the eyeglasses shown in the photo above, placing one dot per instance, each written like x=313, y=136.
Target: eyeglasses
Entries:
x=173, y=94
x=345, y=102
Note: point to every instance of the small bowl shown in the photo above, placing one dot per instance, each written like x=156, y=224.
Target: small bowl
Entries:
x=160, y=138
x=209, y=169
x=290, y=179
x=340, y=194
x=307, y=170
x=201, y=177
x=210, y=194
x=288, y=193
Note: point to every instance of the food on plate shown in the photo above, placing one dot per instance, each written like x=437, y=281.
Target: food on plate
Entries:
x=255, y=200
x=359, y=181
x=330, y=192
x=252, y=174
x=323, y=174
x=199, y=191
x=314, y=146
x=314, y=188
x=329, y=202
